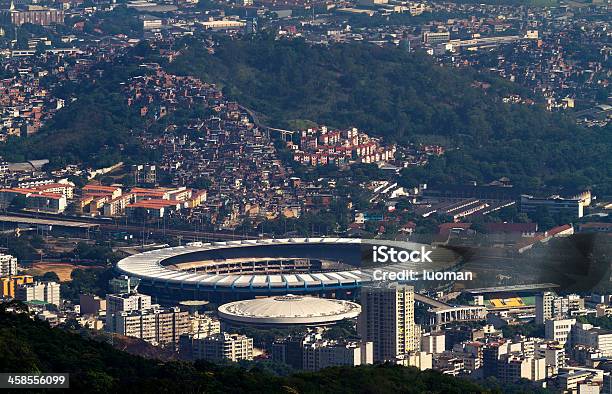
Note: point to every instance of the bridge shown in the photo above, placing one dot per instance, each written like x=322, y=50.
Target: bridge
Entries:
x=442, y=313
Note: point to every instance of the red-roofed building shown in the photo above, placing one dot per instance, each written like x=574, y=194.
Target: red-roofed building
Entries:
x=112, y=191
x=46, y=202
x=34, y=199
x=156, y=208
x=66, y=189
x=524, y=229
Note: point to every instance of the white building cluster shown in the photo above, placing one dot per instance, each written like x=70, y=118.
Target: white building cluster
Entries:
x=133, y=315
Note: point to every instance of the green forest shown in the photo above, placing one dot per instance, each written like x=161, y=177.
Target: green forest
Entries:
x=406, y=97
x=403, y=97
x=96, y=367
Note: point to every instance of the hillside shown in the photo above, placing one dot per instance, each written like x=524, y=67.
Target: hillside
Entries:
x=94, y=129
x=29, y=346
x=405, y=97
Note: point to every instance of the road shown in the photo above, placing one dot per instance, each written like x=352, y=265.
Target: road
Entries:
x=152, y=231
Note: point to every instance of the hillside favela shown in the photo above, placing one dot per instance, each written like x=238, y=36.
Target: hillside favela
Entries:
x=306, y=196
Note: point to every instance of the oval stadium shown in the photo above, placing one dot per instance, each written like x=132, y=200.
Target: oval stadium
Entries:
x=228, y=271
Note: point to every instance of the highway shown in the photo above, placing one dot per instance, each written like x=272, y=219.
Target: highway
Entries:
x=109, y=225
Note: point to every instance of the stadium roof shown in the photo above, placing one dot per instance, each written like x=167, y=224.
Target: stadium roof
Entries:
x=289, y=309
x=149, y=266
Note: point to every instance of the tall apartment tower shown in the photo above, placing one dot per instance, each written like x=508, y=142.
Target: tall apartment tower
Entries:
x=387, y=319
x=544, y=306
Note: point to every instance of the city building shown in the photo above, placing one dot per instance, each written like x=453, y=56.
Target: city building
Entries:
x=9, y=284
x=558, y=329
x=491, y=354
x=289, y=351
x=513, y=367
x=217, y=347
x=126, y=302
x=433, y=342
x=318, y=353
x=387, y=319
x=554, y=354
x=33, y=14
x=544, y=307
x=48, y=292
x=91, y=304
x=434, y=38
x=204, y=325
x=155, y=325
x=8, y=265
x=595, y=337
x=554, y=205
x=34, y=199
x=549, y=305
x=144, y=174
x=417, y=359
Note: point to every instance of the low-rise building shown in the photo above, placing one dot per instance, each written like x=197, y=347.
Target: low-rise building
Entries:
x=217, y=347
x=588, y=335
x=155, y=325
x=513, y=367
x=48, y=292
x=558, y=329
x=318, y=354
x=91, y=304
x=9, y=284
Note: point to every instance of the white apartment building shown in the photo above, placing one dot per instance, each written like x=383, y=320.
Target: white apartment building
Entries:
x=154, y=325
x=124, y=302
x=549, y=305
x=512, y=367
x=544, y=307
x=588, y=335
x=321, y=354
x=558, y=329
x=204, y=325
x=39, y=291
x=8, y=265
x=554, y=355
x=433, y=342
x=218, y=347
x=417, y=359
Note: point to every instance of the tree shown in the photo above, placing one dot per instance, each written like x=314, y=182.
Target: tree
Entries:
x=48, y=277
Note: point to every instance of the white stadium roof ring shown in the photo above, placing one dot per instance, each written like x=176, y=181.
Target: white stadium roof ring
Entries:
x=245, y=269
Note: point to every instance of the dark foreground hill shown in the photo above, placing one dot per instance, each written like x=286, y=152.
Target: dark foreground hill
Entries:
x=31, y=346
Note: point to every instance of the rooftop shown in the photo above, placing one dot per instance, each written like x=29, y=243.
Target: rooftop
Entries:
x=289, y=309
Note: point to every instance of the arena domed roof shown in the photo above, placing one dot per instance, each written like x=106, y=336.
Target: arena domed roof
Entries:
x=288, y=310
